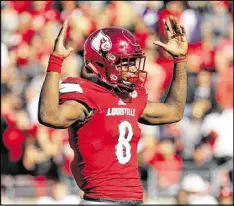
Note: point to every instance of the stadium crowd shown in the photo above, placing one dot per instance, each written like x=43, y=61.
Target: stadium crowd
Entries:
x=190, y=161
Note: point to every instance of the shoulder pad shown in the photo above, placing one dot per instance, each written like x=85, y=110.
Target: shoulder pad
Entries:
x=66, y=87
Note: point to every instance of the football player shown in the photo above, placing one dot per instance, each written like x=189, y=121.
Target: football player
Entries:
x=102, y=116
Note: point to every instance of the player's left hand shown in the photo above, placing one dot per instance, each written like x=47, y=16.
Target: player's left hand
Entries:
x=177, y=44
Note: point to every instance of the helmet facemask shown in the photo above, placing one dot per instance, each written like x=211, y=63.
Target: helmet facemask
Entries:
x=121, y=72
x=132, y=72
x=125, y=72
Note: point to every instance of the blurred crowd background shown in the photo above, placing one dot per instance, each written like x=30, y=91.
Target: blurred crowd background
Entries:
x=187, y=162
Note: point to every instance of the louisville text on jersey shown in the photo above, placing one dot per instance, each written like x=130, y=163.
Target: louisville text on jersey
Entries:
x=120, y=111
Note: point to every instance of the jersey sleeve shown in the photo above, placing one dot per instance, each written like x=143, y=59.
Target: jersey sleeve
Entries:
x=73, y=89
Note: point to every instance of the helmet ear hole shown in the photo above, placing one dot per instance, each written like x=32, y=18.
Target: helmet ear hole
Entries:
x=100, y=64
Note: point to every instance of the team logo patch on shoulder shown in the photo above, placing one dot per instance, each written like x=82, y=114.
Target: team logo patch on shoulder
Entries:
x=101, y=42
x=70, y=87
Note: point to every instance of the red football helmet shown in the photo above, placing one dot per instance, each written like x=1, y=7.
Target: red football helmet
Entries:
x=109, y=52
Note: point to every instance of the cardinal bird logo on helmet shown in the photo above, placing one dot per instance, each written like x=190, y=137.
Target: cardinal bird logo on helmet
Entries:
x=101, y=42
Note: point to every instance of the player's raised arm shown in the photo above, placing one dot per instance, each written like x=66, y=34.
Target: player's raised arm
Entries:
x=50, y=113
x=172, y=110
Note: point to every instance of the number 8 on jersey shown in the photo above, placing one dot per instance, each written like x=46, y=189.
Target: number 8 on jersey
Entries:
x=123, y=147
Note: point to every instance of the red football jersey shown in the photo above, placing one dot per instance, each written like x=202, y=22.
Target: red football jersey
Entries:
x=105, y=163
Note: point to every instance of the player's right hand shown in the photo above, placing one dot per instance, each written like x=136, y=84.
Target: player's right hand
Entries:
x=59, y=48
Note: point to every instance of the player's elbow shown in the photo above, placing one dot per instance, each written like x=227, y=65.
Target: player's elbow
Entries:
x=177, y=114
x=178, y=117
x=48, y=120
x=45, y=119
x=52, y=123
x=43, y=116
x=172, y=118
x=175, y=111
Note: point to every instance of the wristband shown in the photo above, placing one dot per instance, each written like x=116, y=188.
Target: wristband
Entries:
x=180, y=59
x=55, y=64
